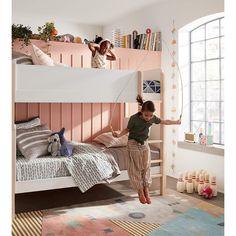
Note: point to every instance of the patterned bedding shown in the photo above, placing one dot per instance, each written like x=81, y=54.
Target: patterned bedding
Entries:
x=52, y=167
x=89, y=165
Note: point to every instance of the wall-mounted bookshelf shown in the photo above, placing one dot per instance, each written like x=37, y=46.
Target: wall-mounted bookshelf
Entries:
x=146, y=41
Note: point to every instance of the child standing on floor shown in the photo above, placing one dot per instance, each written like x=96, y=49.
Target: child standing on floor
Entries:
x=139, y=161
x=101, y=51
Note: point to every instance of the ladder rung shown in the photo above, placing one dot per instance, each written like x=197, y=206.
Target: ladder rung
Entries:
x=155, y=161
x=156, y=175
x=155, y=141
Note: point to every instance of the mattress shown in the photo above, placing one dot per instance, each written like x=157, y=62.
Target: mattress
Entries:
x=52, y=167
x=41, y=168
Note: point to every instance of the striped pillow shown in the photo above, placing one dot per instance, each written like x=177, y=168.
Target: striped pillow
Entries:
x=33, y=142
x=108, y=140
x=28, y=123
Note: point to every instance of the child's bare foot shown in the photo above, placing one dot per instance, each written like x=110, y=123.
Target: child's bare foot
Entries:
x=141, y=196
x=147, y=196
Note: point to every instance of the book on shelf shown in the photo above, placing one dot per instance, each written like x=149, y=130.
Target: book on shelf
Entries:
x=151, y=41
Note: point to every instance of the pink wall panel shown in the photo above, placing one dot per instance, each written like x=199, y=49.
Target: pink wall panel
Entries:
x=83, y=121
x=76, y=121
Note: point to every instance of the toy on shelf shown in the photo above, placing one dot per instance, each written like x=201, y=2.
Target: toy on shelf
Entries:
x=200, y=135
x=77, y=40
x=68, y=38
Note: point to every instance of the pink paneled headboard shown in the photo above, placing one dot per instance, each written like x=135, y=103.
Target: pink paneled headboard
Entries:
x=83, y=121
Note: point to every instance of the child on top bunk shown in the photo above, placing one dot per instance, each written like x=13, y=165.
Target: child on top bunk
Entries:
x=101, y=51
x=139, y=161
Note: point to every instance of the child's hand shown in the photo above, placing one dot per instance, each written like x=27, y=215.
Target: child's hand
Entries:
x=178, y=122
x=115, y=134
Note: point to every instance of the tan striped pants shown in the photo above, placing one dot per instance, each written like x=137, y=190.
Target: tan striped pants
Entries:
x=139, y=165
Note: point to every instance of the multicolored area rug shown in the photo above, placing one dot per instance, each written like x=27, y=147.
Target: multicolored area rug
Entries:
x=170, y=215
x=120, y=216
x=204, y=219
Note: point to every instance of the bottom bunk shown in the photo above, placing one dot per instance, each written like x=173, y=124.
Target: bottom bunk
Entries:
x=46, y=173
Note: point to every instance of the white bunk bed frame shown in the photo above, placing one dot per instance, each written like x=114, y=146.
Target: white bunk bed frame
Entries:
x=33, y=83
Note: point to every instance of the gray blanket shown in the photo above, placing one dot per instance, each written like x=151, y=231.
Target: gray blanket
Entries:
x=89, y=165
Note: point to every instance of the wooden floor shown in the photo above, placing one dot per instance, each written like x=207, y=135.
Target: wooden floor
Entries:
x=66, y=197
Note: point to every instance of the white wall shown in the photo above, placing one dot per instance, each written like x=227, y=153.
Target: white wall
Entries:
x=62, y=25
x=159, y=17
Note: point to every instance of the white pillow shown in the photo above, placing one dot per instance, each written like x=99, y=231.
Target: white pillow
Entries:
x=41, y=58
x=109, y=141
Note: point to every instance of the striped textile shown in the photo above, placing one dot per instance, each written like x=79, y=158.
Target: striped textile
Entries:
x=27, y=224
x=29, y=124
x=89, y=166
x=109, y=141
x=136, y=228
x=33, y=142
x=139, y=165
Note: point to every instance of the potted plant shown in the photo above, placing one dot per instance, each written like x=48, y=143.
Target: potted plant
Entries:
x=47, y=32
x=23, y=33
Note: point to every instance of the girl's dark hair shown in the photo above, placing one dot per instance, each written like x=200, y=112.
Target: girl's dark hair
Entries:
x=98, y=39
x=146, y=106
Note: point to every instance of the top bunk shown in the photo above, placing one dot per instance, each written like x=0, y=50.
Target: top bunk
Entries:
x=52, y=84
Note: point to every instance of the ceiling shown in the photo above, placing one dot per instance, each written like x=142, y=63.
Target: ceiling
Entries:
x=87, y=12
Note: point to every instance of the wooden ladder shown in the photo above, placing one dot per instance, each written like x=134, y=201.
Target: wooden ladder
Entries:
x=160, y=175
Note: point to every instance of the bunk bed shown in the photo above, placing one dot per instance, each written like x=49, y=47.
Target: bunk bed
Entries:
x=44, y=84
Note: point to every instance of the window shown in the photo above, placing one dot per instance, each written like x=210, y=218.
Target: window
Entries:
x=207, y=78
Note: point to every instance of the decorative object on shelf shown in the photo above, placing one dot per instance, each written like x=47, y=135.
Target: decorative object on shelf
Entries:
x=21, y=32
x=47, y=32
x=67, y=38
x=148, y=31
x=203, y=140
x=189, y=137
x=209, y=134
x=77, y=40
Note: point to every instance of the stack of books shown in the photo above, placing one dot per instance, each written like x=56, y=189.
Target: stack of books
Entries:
x=116, y=38
x=151, y=41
